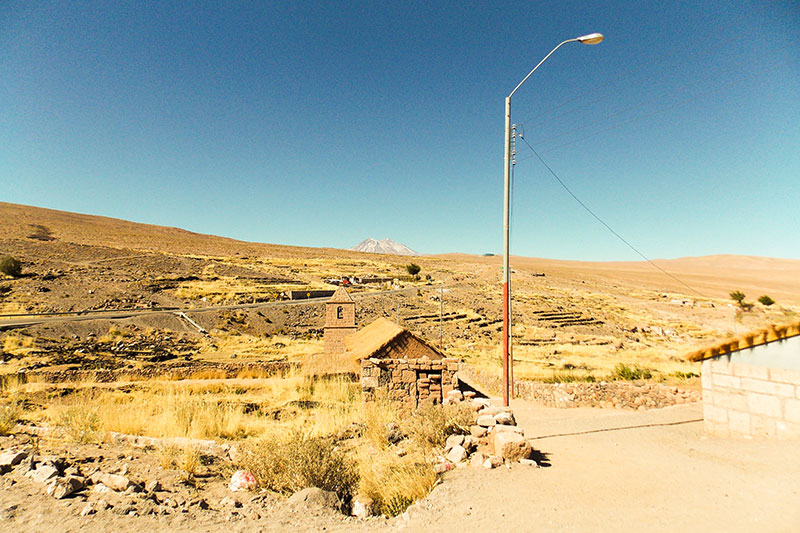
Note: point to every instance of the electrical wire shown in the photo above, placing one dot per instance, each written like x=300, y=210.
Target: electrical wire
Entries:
x=604, y=223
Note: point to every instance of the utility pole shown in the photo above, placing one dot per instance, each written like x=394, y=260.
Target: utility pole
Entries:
x=441, y=319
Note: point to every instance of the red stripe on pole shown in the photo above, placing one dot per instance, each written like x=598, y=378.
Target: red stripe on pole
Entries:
x=505, y=344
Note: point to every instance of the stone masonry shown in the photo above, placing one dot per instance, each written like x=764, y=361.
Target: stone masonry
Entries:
x=409, y=381
x=741, y=400
x=340, y=321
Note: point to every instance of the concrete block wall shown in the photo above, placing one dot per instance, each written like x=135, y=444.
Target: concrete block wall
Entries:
x=749, y=401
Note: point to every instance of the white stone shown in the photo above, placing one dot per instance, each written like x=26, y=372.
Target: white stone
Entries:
x=486, y=421
x=457, y=454
x=453, y=440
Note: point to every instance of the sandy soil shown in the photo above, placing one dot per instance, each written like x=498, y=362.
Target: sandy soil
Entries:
x=624, y=471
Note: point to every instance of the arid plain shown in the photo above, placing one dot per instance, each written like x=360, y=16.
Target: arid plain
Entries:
x=106, y=321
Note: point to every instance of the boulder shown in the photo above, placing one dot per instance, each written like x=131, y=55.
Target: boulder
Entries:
x=12, y=458
x=477, y=431
x=478, y=459
x=453, y=440
x=455, y=395
x=88, y=509
x=363, y=507
x=114, y=481
x=485, y=421
x=505, y=419
x=457, y=454
x=493, y=462
x=152, y=486
x=511, y=446
x=508, y=429
x=242, y=480
x=43, y=474
x=529, y=462
x=60, y=488
x=315, y=497
x=470, y=443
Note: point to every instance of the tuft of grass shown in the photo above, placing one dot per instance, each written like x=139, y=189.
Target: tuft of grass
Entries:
x=430, y=425
x=189, y=462
x=81, y=424
x=624, y=372
x=291, y=463
x=9, y=414
x=393, y=482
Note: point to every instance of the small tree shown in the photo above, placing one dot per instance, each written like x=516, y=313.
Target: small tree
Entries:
x=765, y=300
x=10, y=266
x=413, y=269
x=738, y=297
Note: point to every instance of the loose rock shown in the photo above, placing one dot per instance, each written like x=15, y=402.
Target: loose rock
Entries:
x=315, y=497
x=457, y=454
x=511, y=446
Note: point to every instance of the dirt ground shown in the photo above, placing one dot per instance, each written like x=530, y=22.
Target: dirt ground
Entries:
x=624, y=471
x=603, y=470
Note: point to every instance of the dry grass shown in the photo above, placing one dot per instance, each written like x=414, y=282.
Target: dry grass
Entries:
x=276, y=347
x=19, y=345
x=394, y=482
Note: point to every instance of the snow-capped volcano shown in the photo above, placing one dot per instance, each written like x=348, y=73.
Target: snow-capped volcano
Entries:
x=386, y=246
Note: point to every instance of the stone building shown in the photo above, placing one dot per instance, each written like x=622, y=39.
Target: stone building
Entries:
x=751, y=384
x=397, y=363
x=340, y=321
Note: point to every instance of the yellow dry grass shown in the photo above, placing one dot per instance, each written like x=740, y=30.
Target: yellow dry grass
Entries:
x=270, y=348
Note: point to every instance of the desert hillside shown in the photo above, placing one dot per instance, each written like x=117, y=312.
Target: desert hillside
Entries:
x=567, y=314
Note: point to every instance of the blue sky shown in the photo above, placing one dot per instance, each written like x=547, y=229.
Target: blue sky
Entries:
x=320, y=125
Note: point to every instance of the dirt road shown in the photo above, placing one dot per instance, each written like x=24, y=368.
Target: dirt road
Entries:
x=623, y=471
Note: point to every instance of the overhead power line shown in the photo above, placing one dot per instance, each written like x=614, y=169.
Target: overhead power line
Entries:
x=604, y=223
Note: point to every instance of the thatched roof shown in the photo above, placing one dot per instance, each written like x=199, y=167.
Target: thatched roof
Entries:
x=370, y=339
x=382, y=333
x=748, y=340
x=341, y=296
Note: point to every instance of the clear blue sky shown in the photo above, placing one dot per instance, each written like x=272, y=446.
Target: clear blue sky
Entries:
x=321, y=124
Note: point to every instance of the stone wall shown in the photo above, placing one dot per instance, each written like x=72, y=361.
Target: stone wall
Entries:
x=409, y=381
x=609, y=394
x=186, y=371
x=333, y=339
x=742, y=400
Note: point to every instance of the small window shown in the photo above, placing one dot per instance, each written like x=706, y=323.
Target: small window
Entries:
x=339, y=312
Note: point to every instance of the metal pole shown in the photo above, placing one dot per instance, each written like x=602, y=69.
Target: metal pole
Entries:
x=506, y=270
x=507, y=362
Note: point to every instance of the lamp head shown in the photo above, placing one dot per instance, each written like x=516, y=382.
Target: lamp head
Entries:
x=592, y=38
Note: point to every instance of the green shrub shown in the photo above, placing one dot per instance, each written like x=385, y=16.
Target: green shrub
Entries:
x=765, y=300
x=738, y=297
x=10, y=266
x=298, y=461
x=630, y=373
x=413, y=269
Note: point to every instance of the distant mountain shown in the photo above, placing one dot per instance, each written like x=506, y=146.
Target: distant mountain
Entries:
x=386, y=246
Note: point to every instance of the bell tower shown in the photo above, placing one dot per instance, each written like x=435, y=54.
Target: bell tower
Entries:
x=340, y=320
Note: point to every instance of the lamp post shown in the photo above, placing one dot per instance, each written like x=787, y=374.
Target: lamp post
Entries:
x=592, y=38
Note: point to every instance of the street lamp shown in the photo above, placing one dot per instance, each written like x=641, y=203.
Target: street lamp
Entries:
x=592, y=38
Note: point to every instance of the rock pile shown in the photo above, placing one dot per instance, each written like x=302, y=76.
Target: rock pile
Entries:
x=112, y=490
x=494, y=437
